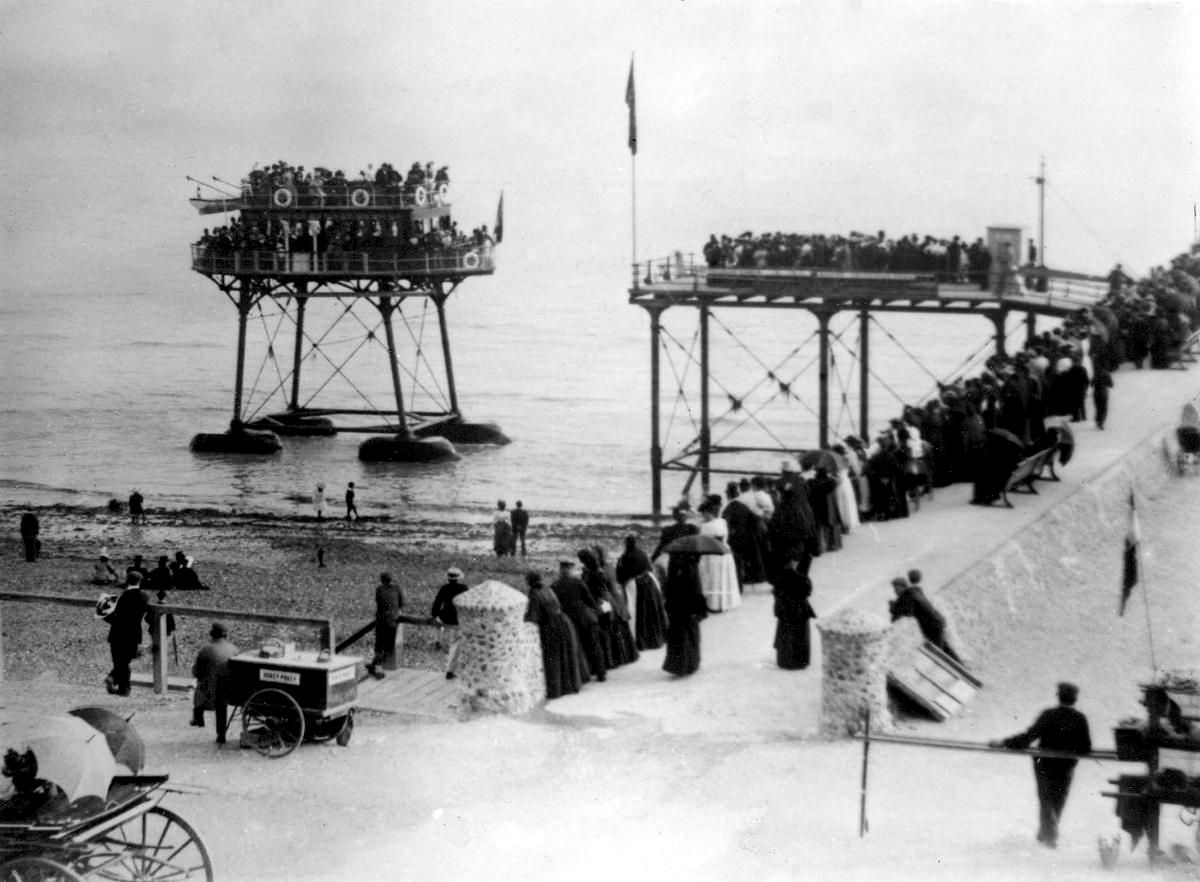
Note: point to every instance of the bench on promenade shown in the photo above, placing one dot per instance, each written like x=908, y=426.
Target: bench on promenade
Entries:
x=1027, y=471
x=1187, y=351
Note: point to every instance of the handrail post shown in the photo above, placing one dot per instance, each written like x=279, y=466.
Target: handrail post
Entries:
x=158, y=642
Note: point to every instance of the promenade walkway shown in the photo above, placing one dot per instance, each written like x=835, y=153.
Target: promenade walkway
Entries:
x=740, y=694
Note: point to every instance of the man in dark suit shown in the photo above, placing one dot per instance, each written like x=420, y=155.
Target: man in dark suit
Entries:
x=1059, y=728
x=125, y=633
x=584, y=612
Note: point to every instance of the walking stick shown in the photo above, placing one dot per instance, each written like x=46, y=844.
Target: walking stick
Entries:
x=862, y=805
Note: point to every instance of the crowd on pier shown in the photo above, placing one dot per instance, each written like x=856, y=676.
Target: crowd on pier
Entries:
x=321, y=230
x=321, y=182
x=332, y=235
x=952, y=259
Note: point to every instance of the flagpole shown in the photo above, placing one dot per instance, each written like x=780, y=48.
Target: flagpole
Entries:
x=631, y=102
x=1146, y=603
x=1141, y=571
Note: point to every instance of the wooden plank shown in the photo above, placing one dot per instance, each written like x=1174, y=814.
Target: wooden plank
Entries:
x=935, y=682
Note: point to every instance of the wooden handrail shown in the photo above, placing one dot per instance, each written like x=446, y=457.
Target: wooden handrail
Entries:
x=158, y=623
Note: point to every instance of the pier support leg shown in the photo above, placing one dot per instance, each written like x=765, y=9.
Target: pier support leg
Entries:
x=823, y=379
x=244, y=302
x=386, y=307
x=655, y=441
x=439, y=302
x=999, y=320
x=864, y=374
x=297, y=352
x=705, y=432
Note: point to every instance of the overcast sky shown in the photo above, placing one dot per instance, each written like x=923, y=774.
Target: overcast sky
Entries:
x=861, y=114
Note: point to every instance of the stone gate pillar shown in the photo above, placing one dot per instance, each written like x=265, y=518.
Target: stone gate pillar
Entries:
x=854, y=655
x=500, y=657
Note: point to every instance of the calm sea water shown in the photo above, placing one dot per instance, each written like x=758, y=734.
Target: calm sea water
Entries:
x=101, y=394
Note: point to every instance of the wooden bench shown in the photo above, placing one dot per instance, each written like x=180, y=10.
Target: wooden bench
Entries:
x=1187, y=352
x=1027, y=471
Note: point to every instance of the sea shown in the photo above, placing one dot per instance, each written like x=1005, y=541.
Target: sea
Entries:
x=103, y=392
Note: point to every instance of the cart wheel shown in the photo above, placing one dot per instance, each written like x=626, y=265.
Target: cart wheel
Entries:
x=343, y=737
x=272, y=723
x=36, y=869
x=157, y=844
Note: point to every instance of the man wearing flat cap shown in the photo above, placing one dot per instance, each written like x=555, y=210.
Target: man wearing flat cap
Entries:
x=1064, y=729
x=211, y=670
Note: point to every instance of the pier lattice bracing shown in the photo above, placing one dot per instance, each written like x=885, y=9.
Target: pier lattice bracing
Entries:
x=848, y=308
x=359, y=317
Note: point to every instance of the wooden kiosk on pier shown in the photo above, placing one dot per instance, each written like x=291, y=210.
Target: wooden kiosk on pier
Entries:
x=348, y=244
x=679, y=281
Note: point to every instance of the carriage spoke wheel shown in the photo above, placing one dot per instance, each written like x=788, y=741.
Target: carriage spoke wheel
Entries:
x=272, y=723
x=36, y=869
x=156, y=845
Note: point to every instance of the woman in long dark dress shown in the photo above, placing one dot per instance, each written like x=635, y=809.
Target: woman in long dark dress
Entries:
x=793, y=613
x=562, y=656
x=620, y=648
x=686, y=608
x=636, y=573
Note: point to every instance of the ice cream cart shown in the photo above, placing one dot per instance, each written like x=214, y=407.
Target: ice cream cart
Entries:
x=285, y=695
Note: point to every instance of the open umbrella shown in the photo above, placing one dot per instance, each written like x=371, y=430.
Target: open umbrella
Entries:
x=697, y=543
x=827, y=459
x=124, y=742
x=69, y=752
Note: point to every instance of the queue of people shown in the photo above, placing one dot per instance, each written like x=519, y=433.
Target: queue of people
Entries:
x=950, y=259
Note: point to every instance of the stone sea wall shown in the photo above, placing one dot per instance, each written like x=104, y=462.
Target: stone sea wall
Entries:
x=1072, y=551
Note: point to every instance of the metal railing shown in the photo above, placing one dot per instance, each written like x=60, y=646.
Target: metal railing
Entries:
x=455, y=261
x=352, y=194
x=1028, y=284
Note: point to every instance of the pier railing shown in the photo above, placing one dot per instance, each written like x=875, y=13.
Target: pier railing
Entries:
x=350, y=195
x=1032, y=285
x=355, y=264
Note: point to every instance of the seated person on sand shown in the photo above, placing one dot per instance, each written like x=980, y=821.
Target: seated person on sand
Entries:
x=186, y=577
x=103, y=572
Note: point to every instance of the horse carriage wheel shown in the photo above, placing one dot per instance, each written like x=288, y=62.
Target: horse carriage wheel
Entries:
x=272, y=723
x=157, y=844
x=36, y=869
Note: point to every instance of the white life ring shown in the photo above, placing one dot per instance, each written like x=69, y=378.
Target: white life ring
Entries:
x=360, y=198
x=471, y=260
x=443, y=193
x=420, y=194
x=283, y=197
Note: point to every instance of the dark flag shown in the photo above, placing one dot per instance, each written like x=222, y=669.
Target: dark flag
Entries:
x=499, y=228
x=1133, y=538
x=631, y=101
